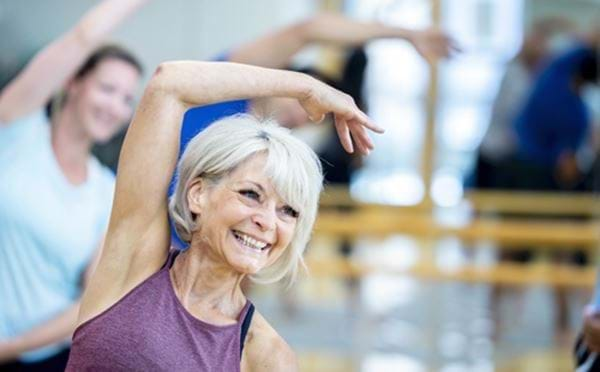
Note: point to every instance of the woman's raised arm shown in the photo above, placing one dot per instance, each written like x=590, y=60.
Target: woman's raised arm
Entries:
x=54, y=65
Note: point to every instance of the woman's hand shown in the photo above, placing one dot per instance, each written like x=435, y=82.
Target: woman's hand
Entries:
x=350, y=122
x=8, y=351
x=433, y=44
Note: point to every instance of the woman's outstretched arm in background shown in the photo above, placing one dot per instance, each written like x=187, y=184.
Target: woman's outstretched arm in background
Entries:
x=276, y=49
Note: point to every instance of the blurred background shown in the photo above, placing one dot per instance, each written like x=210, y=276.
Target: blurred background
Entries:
x=431, y=255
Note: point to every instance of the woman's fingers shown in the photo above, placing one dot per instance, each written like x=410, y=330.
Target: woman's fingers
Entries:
x=341, y=126
x=359, y=141
x=356, y=115
x=360, y=134
x=353, y=134
x=350, y=122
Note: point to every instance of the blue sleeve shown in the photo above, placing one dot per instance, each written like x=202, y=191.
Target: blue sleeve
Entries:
x=198, y=118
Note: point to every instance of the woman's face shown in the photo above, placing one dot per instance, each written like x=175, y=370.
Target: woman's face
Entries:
x=245, y=223
x=103, y=99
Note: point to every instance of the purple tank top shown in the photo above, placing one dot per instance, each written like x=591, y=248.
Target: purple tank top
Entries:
x=149, y=330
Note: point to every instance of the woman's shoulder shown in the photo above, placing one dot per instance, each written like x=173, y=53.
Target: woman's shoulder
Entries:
x=34, y=126
x=266, y=350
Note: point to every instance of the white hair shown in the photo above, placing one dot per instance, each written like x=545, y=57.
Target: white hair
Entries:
x=291, y=165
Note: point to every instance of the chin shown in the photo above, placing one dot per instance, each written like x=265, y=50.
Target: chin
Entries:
x=246, y=269
x=102, y=135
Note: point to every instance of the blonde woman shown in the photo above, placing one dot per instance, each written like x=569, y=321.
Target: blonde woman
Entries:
x=245, y=202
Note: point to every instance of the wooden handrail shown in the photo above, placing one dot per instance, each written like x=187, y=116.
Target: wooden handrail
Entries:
x=559, y=234
x=501, y=274
x=500, y=201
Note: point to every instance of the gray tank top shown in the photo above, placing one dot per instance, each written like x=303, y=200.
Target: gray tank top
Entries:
x=149, y=330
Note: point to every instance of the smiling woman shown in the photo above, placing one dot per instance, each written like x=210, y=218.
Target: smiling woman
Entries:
x=266, y=174
x=245, y=201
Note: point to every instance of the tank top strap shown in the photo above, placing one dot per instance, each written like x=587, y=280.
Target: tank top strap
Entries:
x=246, y=325
x=170, y=258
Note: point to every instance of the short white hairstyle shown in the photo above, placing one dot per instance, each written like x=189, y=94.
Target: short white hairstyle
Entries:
x=291, y=165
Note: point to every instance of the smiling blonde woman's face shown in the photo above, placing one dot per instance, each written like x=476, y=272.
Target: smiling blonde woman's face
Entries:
x=244, y=222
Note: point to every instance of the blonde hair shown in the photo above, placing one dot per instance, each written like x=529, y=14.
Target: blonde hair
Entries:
x=291, y=165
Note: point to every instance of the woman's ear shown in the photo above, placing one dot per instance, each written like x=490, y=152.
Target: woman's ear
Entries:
x=196, y=195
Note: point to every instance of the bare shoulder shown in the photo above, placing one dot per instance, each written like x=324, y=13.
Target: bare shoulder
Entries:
x=266, y=350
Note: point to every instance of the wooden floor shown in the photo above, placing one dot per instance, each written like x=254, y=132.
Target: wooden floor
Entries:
x=382, y=321
x=558, y=360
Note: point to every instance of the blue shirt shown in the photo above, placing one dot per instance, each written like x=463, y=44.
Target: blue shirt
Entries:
x=49, y=229
x=554, y=118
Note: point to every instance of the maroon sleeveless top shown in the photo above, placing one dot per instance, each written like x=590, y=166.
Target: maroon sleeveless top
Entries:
x=149, y=330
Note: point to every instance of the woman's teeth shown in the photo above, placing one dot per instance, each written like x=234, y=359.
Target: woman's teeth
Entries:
x=250, y=242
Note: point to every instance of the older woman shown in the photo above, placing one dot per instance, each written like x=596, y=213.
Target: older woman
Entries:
x=245, y=201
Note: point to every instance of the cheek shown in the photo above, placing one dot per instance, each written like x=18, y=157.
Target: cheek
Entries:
x=93, y=101
x=126, y=112
x=286, y=233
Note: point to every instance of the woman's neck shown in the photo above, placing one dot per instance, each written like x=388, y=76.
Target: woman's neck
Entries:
x=71, y=146
x=206, y=286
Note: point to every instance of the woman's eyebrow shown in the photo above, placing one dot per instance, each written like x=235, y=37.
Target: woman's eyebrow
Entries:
x=258, y=185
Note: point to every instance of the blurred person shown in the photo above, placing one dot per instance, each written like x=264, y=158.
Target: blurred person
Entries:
x=555, y=122
x=551, y=128
x=499, y=142
x=245, y=201
x=55, y=197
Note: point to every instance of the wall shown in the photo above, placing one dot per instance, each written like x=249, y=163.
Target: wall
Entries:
x=164, y=29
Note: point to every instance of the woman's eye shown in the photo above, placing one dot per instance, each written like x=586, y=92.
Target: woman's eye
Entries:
x=250, y=194
x=107, y=88
x=290, y=211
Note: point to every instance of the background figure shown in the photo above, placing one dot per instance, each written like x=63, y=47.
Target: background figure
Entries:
x=55, y=198
x=555, y=123
x=551, y=128
x=498, y=146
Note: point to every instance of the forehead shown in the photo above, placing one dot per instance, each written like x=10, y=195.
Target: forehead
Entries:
x=252, y=171
x=117, y=70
